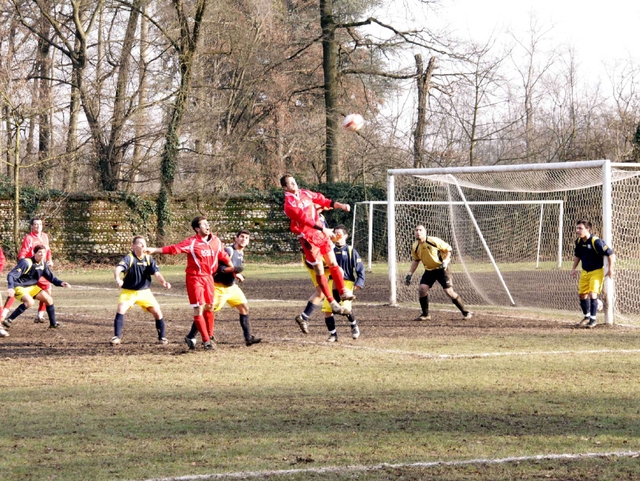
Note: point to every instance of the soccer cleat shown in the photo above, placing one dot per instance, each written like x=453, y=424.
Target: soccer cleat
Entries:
x=209, y=346
x=252, y=340
x=347, y=295
x=583, y=322
x=191, y=342
x=304, y=327
x=467, y=315
x=57, y=325
x=115, y=340
x=39, y=320
x=422, y=318
x=591, y=324
x=7, y=323
x=355, y=332
x=333, y=338
x=163, y=340
x=3, y=333
x=336, y=308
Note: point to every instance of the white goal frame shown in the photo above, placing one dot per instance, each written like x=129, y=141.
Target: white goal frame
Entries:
x=607, y=230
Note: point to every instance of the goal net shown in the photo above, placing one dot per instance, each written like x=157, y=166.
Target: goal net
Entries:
x=512, y=230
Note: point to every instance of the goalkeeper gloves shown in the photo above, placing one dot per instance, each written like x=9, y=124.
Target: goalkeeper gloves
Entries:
x=445, y=263
x=238, y=269
x=407, y=280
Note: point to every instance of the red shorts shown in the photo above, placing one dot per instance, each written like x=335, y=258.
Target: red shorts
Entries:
x=200, y=290
x=315, y=246
x=44, y=284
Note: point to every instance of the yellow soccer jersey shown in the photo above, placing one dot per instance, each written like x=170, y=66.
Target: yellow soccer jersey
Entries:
x=430, y=252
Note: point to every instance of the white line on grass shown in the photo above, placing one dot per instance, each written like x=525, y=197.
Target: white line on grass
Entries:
x=433, y=464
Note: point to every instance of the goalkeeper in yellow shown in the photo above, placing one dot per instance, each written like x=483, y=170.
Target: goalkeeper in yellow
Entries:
x=435, y=255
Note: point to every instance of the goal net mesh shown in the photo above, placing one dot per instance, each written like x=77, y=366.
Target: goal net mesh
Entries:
x=509, y=246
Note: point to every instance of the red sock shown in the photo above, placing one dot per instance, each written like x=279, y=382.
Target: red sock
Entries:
x=209, y=319
x=324, y=286
x=9, y=302
x=42, y=307
x=337, y=277
x=202, y=327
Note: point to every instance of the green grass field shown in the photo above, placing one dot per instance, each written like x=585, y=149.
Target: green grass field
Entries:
x=449, y=403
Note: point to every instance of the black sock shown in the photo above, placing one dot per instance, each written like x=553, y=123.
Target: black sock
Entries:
x=306, y=314
x=18, y=310
x=584, y=305
x=594, y=308
x=160, y=328
x=118, y=324
x=424, y=304
x=246, y=329
x=458, y=302
x=193, y=332
x=51, y=312
x=352, y=320
x=331, y=323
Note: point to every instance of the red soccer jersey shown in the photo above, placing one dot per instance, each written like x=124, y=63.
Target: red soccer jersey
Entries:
x=2, y=260
x=30, y=241
x=301, y=209
x=202, y=254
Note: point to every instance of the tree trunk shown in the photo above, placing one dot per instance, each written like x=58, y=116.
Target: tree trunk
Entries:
x=423, y=80
x=43, y=72
x=330, y=69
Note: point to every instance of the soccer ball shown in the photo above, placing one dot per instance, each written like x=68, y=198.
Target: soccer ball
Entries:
x=600, y=305
x=353, y=122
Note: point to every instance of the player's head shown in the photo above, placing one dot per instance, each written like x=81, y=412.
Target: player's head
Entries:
x=138, y=245
x=39, y=252
x=201, y=226
x=341, y=235
x=420, y=233
x=242, y=238
x=36, y=225
x=583, y=228
x=288, y=183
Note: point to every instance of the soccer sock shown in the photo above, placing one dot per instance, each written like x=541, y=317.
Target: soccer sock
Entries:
x=352, y=320
x=244, y=323
x=201, y=325
x=209, y=319
x=306, y=314
x=41, y=308
x=584, y=305
x=193, y=331
x=19, y=310
x=424, y=304
x=338, y=279
x=51, y=312
x=331, y=323
x=324, y=286
x=458, y=302
x=7, y=306
x=160, y=328
x=118, y=324
x=594, y=308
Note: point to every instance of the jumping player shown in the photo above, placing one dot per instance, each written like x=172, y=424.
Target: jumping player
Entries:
x=227, y=290
x=315, y=237
x=353, y=270
x=591, y=251
x=32, y=239
x=203, y=251
x=24, y=286
x=138, y=268
x=435, y=255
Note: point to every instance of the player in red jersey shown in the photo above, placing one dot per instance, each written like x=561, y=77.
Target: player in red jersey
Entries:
x=31, y=240
x=301, y=206
x=203, y=251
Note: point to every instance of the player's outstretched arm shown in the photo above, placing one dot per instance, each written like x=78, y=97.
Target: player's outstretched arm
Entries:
x=344, y=207
x=116, y=274
x=162, y=280
x=153, y=250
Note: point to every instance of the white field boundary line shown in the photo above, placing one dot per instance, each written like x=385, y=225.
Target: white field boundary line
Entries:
x=478, y=355
x=376, y=467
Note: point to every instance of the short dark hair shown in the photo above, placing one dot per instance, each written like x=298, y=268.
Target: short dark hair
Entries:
x=342, y=227
x=243, y=231
x=33, y=221
x=137, y=238
x=585, y=223
x=38, y=248
x=283, y=179
x=195, y=223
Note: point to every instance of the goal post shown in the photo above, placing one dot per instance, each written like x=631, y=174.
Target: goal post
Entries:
x=508, y=216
